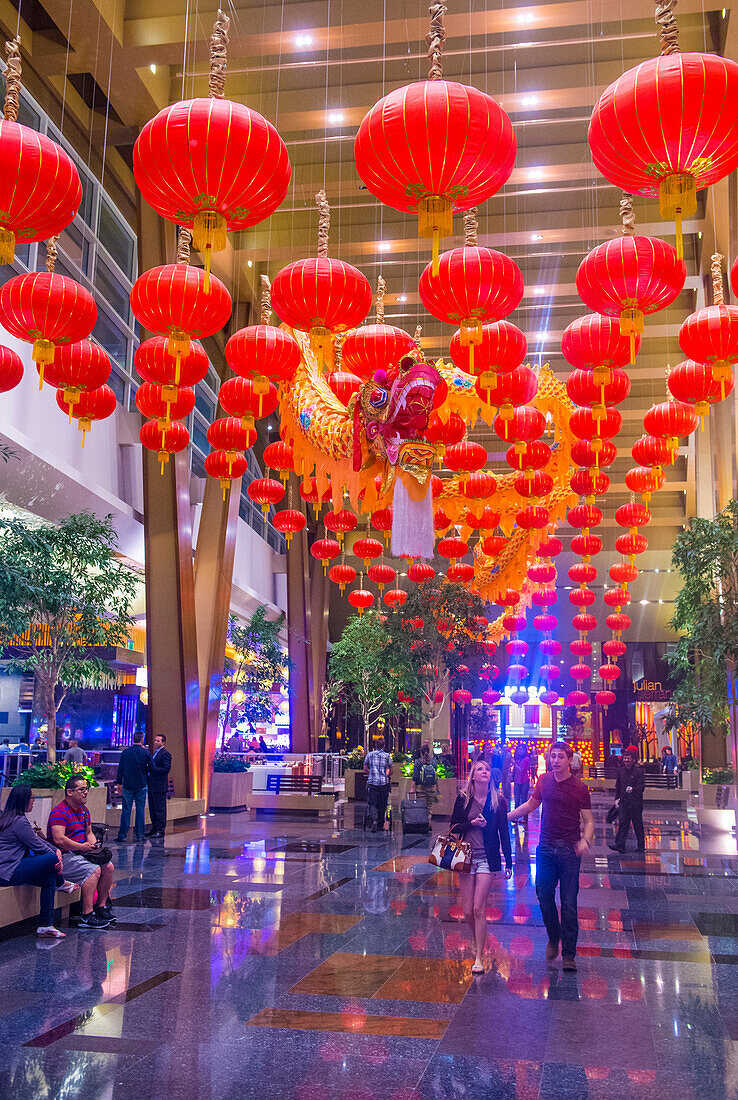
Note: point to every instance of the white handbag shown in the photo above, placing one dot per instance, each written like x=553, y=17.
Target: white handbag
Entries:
x=451, y=853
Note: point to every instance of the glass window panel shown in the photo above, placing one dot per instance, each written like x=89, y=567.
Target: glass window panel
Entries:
x=87, y=206
x=75, y=247
x=199, y=438
x=213, y=380
x=116, y=239
x=198, y=469
x=110, y=287
x=204, y=405
x=111, y=336
x=117, y=383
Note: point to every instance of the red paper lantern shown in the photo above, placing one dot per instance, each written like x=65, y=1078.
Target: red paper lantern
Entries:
x=479, y=485
x=583, y=453
x=580, y=648
x=515, y=387
x=441, y=522
x=211, y=165
x=544, y=597
x=550, y=673
x=582, y=572
x=493, y=545
x=644, y=480
x=605, y=699
x=340, y=522
x=584, y=545
x=342, y=574
x=582, y=597
x=617, y=597
x=325, y=549
x=550, y=646
x=420, y=571
x=584, y=389
x=585, y=425
x=618, y=622
x=165, y=403
x=174, y=439
x=508, y=597
x=623, y=572
x=589, y=483
x=462, y=697
x=344, y=385
x=577, y=699
x=367, y=549
x=580, y=672
x=264, y=491
x=710, y=335
x=279, y=455
x=361, y=599
x=155, y=363
x=243, y=397
x=629, y=545
x=78, y=367
x=288, y=522
x=453, y=548
x=595, y=342
x=535, y=483
x=614, y=648
x=584, y=622
x=502, y=347
x=375, y=347
x=536, y=455
x=226, y=467
x=652, y=452
x=549, y=697
x=533, y=517
x=381, y=574
x=308, y=490
x=632, y=515
x=489, y=698
x=698, y=385
x=668, y=126
x=11, y=369
x=263, y=352
x=227, y=434
x=171, y=300
x=465, y=456
x=541, y=572
x=460, y=573
x=523, y=424
x=550, y=547
x=669, y=420
x=321, y=296
x=91, y=405
x=629, y=277
x=395, y=597
x=434, y=146
x=513, y=623
x=584, y=516
x=46, y=309
x=382, y=521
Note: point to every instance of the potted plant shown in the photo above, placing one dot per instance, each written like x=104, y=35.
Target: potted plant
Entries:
x=47, y=781
x=229, y=784
x=354, y=774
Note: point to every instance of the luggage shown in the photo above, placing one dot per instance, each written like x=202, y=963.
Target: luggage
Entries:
x=415, y=816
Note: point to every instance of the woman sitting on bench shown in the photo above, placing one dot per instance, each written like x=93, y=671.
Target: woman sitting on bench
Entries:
x=18, y=867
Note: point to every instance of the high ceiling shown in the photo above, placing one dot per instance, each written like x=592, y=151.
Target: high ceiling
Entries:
x=314, y=69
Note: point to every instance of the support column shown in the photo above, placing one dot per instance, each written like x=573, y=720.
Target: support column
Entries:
x=299, y=643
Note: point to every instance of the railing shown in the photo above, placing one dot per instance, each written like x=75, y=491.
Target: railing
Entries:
x=653, y=779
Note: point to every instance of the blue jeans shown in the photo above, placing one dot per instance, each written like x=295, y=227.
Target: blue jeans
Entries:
x=40, y=871
x=559, y=865
x=127, y=800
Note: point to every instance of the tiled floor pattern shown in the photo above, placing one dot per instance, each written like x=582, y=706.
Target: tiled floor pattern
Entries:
x=306, y=960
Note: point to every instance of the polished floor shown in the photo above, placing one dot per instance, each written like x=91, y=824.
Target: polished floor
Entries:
x=297, y=959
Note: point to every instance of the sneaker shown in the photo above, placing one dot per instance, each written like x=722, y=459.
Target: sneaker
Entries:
x=105, y=912
x=552, y=951
x=569, y=962
x=616, y=849
x=92, y=920
x=50, y=932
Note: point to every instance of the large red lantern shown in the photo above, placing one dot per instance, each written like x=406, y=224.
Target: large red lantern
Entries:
x=263, y=352
x=91, y=405
x=465, y=457
x=595, y=343
x=174, y=438
x=509, y=390
x=40, y=190
x=279, y=455
x=243, y=397
x=669, y=420
x=375, y=347
x=434, y=146
x=367, y=549
x=171, y=301
x=453, y=549
x=361, y=599
x=165, y=403
x=264, y=491
x=535, y=456
x=340, y=522
x=78, y=367
x=710, y=335
x=583, y=453
x=11, y=369
x=524, y=424
x=502, y=347
x=155, y=363
x=460, y=573
x=668, y=126
x=226, y=467
x=697, y=384
x=289, y=521
x=653, y=452
x=632, y=516
x=324, y=550
x=589, y=483
x=479, y=485
x=420, y=571
x=344, y=385
x=46, y=309
x=584, y=389
x=534, y=483
x=644, y=480
x=341, y=574
x=381, y=574
x=629, y=277
x=211, y=164
x=228, y=434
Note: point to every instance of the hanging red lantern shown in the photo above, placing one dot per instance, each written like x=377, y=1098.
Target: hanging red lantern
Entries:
x=710, y=335
x=669, y=420
x=264, y=491
x=382, y=521
x=502, y=347
x=489, y=698
x=517, y=672
x=211, y=164
x=171, y=301
x=614, y=648
x=580, y=647
x=263, y=352
x=533, y=518
x=550, y=547
x=279, y=455
x=165, y=403
x=90, y=405
x=623, y=572
x=583, y=453
x=582, y=597
x=523, y=424
x=77, y=368
x=585, y=425
x=618, y=622
x=441, y=521
x=577, y=699
x=308, y=490
x=155, y=363
x=536, y=455
x=460, y=573
x=46, y=309
x=605, y=698
x=652, y=452
x=544, y=597
x=462, y=697
x=541, y=572
x=584, y=622
x=584, y=389
x=342, y=574
x=595, y=343
x=288, y=522
x=507, y=391
x=465, y=457
x=174, y=439
x=644, y=480
x=698, y=385
x=227, y=434
x=324, y=550
x=361, y=599
x=585, y=545
x=344, y=385
x=550, y=673
x=486, y=520
x=453, y=548
x=367, y=549
x=582, y=572
x=584, y=516
x=479, y=485
x=340, y=522
x=629, y=277
x=449, y=431
x=11, y=369
x=243, y=397
x=371, y=348
x=630, y=545
x=580, y=672
x=420, y=571
x=617, y=597
x=534, y=483
x=589, y=483
x=632, y=516
x=513, y=623
x=395, y=597
x=381, y=574
x=494, y=545
x=508, y=597
x=549, y=646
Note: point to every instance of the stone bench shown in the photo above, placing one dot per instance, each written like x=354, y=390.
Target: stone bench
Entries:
x=19, y=906
x=178, y=809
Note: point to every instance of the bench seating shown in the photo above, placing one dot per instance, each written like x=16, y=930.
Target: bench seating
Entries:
x=292, y=793
x=178, y=809
x=307, y=784
x=19, y=904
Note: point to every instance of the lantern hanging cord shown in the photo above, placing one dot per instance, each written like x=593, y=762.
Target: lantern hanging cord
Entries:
x=627, y=215
x=434, y=40
x=219, y=55
x=416, y=337
x=381, y=288
x=266, y=300
x=666, y=20
x=12, y=80
x=183, y=245
x=51, y=253
x=471, y=226
x=324, y=223
x=338, y=351
x=716, y=269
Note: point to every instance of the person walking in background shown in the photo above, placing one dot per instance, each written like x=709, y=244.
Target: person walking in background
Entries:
x=75, y=755
x=378, y=772
x=70, y=830
x=507, y=768
x=160, y=766
x=521, y=777
x=576, y=761
x=234, y=743
x=629, y=787
x=425, y=778
x=566, y=804
x=668, y=760
x=480, y=816
x=28, y=860
x=132, y=778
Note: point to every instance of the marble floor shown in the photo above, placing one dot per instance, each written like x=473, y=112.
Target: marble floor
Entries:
x=301, y=959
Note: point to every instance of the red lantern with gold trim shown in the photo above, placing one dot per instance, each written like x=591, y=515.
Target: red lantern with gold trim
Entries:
x=279, y=455
x=77, y=368
x=375, y=347
x=465, y=457
x=11, y=369
x=340, y=522
x=669, y=420
x=288, y=522
x=644, y=480
x=91, y=405
x=46, y=309
x=264, y=491
x=382, y=521
x=324, y=550
x=479, y=485
x=381, y=574
x=263, y=352
x=242, y=397
x=361, y=599
x=321, y=296
x=420, y=571
x=174, y=439
x=226, y=467
x=595, y=343
x=502, y=348
x=651, y=451
x=155, y=363
x=165, y=403
x=460, y=573
x=589, y=483
x=171, y=301
x=583, y=453
x=367, y=549
x=342, y=574
x=710, y=335
x=344, y=385
x=698, y=384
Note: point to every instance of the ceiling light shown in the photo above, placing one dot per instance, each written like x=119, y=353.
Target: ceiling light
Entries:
x=661, y=601
x=655, y=570
x=529, y=101
x=540, y=336
x=336, y=118
x=303, y=40
x=525, y=17
x=153, y=68
x=537, y=289
x=535, y=173
x=383, y=246
x=643, y=602
x=402, y=297
x=536, y=237
x=249, y=263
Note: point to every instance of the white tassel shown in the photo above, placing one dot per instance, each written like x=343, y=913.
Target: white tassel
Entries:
x=412, y=524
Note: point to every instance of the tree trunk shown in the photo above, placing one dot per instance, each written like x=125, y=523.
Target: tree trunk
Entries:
x=48, y=693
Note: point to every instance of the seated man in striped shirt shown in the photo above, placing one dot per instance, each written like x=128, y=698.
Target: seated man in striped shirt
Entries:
x=70, y=830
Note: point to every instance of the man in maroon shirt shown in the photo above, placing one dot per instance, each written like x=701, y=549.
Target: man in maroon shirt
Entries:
x=566, y=802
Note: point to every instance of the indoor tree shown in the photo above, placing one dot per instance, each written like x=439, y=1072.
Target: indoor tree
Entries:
x=63, y=595
x=255, y=667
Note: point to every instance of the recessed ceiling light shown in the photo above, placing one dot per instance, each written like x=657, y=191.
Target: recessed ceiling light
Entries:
x=529, y=101
x=537, y=289
x=383, y=246
x=535, y=173
x=644, y=602
x=536, y=237
x=402, y=297
x=540, y=336
x=153, y=68
x=336, y=118
x=249, y=263
x=525, y=17
x=303, y=40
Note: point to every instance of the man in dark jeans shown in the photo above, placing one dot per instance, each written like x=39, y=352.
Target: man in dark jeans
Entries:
x=566, y=802
x=159, y=768
x=133, y=778
x=629, y=787
x=378, y=772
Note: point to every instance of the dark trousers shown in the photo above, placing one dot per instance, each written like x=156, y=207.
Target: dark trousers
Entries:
x=630, y=815
x=559, y=865
x=377, y=796
x=158, y=810
x=128, y=799
x=521, y=791
x=40, y=871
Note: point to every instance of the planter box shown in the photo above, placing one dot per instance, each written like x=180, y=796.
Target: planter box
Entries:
x=355, y=785
x=229, y=791
x=709, y=794
x=46, y=799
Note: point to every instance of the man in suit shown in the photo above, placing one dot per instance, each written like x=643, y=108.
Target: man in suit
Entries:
x=159, y=768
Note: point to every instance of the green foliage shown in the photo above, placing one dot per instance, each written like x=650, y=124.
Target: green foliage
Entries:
x=722, y=776
x=355, y=760
x=706, y=616
x=54, y=776
x=400, y=757
x=258, y=667
x=64, y=587
x=224, y=762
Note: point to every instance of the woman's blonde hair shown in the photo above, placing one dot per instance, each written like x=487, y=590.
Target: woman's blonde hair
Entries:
x=468, y=791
